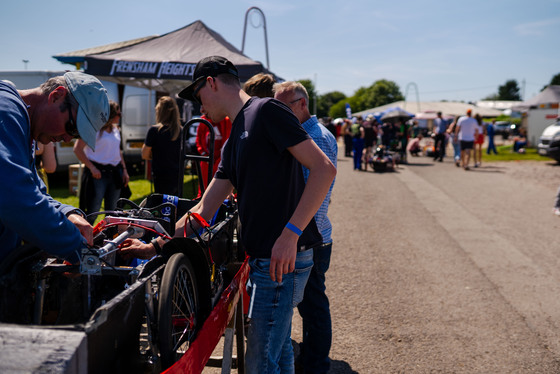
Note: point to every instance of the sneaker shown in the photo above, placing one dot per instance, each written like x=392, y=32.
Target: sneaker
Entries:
x=556, y=211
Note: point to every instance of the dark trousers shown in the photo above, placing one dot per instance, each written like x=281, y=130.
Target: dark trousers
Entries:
x=491, y=146
x=316, y=315
x=358, y=148
x=348, y=145
x=439, y=146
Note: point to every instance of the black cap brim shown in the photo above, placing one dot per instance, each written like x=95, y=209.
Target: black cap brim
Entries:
x=187, y=93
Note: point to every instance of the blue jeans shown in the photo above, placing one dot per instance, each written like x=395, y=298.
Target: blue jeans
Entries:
x=457, y=151
x=491, y=146
x=103, y=188
x=358, y=147
x=316, y=315
x=269, y=344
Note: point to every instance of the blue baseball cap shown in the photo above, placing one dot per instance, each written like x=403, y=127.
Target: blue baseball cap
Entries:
x=93, y=104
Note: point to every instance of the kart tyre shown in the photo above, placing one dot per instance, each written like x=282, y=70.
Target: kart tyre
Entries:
x=379, y=166
x=178, y=309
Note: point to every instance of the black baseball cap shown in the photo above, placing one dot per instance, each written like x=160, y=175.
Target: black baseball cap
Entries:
x=211, y=66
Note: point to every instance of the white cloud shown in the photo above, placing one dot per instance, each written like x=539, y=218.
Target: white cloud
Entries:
x=537, y=28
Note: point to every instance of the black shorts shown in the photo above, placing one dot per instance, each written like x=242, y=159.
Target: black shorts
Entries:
x=467, y=145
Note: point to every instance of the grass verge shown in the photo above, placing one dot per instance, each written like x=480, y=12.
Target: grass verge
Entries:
x=505, y=153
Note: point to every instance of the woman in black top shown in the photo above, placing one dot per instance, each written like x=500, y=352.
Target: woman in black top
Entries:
x=163, y=147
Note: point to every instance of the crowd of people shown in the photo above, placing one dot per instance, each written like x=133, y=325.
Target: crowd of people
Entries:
x=464, y=134
x=268, y=149
x=275, y=151
x=362, y=138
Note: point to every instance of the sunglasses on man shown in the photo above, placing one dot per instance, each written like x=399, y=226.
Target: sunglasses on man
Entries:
x=70, y=126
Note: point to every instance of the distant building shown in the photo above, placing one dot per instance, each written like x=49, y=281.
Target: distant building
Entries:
x=447, y=108
x=498, y=104
x=425, y=111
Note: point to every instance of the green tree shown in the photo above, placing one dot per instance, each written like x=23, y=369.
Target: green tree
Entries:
x=326, y=101
x=339, y=109
x=492, y=97
x=509, y=91
x=554, y=81
x=380, y=93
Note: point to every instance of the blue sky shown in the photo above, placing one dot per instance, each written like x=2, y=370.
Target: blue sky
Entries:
x=449, y=50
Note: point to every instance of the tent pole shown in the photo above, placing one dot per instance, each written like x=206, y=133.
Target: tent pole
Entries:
x=264, y=28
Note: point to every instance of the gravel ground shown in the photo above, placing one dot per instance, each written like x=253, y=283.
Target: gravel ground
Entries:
x=400, y=305
x=439, y=270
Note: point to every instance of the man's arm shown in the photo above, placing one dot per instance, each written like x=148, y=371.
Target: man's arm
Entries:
x=214, y=196
x=321, y=175
x=79, y=147
x=218, y=190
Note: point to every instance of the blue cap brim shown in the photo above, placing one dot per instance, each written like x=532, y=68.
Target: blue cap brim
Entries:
x=87, y=131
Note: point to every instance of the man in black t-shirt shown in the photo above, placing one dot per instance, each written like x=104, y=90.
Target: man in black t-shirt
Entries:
x=262, y=160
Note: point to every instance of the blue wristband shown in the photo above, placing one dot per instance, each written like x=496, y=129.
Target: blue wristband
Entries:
x=294, y=228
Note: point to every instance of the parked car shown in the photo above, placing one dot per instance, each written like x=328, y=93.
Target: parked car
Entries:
x=503, y=128
x=549, y=142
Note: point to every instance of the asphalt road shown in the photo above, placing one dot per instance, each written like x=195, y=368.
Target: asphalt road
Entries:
x=440, y=270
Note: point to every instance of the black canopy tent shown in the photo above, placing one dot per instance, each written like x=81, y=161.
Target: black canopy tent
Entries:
x=166, y=63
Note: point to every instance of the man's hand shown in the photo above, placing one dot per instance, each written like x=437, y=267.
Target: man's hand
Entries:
x=126, y=177
x=83, y=225
x=135, y=248
x=95, y=173
x=283, y=256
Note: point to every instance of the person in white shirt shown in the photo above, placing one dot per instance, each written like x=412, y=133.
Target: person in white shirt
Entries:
x=478, y=141
x=105, y=172
x=467, y=130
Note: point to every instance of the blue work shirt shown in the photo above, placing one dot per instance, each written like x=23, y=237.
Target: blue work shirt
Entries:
x=27, y=212
x=326, y=141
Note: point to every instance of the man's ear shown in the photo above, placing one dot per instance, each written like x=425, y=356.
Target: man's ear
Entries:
x=58, y=95
x=213, y=83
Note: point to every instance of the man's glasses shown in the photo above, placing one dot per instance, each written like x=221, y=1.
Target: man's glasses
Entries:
x=196, y=90
x=70, y=126
x=296, y=100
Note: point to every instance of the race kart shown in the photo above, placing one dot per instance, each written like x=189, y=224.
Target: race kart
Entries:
x=383, y=160
x=132, y=315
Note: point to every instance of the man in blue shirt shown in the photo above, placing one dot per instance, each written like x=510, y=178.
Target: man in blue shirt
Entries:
x=440, y=128
x=64, y=107
x=490, y=132
x=314, y=308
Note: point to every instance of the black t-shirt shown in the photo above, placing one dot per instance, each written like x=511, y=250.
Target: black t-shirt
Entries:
x=268, y=179
x=369, y=131
x=166, y=154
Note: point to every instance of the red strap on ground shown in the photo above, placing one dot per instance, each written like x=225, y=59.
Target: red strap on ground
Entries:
x=196, y=357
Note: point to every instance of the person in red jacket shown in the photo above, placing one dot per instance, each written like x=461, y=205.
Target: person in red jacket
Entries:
x=222, y=130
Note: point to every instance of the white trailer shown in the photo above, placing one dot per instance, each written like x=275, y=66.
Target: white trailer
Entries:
x=537, y=120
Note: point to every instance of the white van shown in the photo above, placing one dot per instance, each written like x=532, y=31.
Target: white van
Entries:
x=138, y=113
x=549, y=142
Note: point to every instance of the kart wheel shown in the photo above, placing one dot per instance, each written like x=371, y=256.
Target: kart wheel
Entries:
x=379, y=167
x=177, y=310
